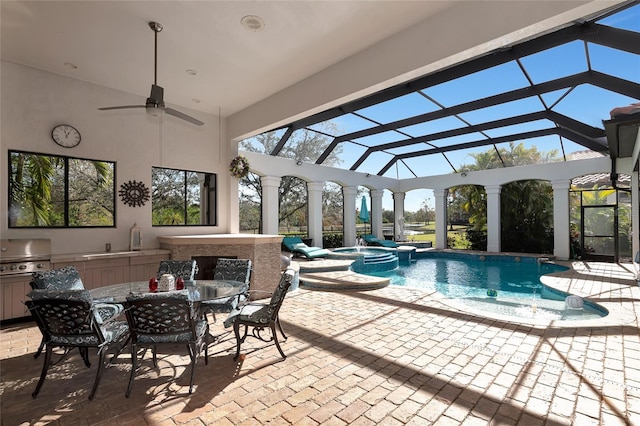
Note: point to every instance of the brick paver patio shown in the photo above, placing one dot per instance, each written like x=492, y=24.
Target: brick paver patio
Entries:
x=391, y=356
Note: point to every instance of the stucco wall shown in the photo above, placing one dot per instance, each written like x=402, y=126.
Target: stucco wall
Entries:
x=33, y=102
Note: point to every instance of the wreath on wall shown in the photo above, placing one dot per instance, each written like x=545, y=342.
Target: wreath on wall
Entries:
x=134, y=193
x=239, y=167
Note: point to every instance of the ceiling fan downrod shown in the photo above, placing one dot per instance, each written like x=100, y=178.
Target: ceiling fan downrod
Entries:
x=156, y=27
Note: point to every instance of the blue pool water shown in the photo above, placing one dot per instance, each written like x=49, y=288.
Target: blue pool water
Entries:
x=496, y=287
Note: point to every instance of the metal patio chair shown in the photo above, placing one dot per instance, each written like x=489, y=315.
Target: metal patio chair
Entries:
x=185, y=269
x=258, y=316
x=165, y=318
x=228, y=270
x=68, y=278
x=69, y=319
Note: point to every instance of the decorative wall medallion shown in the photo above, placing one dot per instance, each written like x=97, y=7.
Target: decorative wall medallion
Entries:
x=134, y=193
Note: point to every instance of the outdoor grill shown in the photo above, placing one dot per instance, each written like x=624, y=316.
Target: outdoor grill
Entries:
x=24, y=256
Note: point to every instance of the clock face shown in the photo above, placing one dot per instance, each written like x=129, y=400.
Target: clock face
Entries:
x=66, y=136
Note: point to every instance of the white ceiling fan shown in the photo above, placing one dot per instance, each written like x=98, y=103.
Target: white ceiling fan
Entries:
x=156, y=98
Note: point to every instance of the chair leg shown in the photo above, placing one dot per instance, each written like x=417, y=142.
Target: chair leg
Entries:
x=134, y=367
x=280, y=327
x=193, y=355
x=101, y=354
x=43, y=374
x=84, y=352
x=155, y=356
x=40, y=348
x=275, y=339
x=236, y=331
x=206, y=347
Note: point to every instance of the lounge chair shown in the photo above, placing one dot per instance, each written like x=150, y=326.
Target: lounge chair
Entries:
x=297, y=247
x=372, y=240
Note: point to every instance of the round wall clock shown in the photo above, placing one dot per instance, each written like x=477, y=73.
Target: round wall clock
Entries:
x=65, y=135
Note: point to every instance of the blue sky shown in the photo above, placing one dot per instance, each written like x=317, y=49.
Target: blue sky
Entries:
x=586, y=103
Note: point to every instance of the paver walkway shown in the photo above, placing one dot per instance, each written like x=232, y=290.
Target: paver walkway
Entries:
x=391, y=356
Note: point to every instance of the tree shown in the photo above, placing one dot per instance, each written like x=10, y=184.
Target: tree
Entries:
x=526, y=206
x=42, y=185
x=303, y=145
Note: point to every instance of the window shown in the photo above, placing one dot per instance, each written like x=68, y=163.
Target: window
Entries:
x=53, y=191
x=183, y=197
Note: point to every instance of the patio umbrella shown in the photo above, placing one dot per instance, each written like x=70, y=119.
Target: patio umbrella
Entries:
x=364, y=213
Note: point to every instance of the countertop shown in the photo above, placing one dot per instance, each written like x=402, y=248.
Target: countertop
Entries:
x=80, y=257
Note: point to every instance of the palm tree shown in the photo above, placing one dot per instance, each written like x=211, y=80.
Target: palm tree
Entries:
x=37, y=187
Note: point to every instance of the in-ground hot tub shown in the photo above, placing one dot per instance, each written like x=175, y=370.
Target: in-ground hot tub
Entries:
x=367, y=259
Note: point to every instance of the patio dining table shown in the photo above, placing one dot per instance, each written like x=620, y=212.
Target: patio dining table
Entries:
x=199, y=290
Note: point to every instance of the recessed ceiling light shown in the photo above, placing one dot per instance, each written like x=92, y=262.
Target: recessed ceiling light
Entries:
x=252, y=22
x=70, y=65
x=191, y=72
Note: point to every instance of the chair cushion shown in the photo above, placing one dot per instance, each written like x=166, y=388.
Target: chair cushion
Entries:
x=66, y=278
x=111, y=331
x=233, y=270
x=107, y=311
x=200, y=327
x=222, y=305
x=253, y=312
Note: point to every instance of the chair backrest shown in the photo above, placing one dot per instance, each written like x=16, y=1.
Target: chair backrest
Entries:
x=292, y=243
x=279, y=293
x=161, y=317
x=66, y=316
x=67, y=278
x=233, y=270
x=186, y=269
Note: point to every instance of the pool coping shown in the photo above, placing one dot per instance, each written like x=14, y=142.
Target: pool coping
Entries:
x=572, y=281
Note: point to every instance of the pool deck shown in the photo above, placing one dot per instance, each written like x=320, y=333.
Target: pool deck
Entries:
x=390, y=356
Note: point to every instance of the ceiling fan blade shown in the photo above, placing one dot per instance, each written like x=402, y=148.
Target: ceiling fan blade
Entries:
x=122, y=107
x=183, y=116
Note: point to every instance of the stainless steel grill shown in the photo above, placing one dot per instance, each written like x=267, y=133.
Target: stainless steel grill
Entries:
x=23, y=256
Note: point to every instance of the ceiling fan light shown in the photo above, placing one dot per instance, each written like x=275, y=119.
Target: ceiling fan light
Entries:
x=154, y=112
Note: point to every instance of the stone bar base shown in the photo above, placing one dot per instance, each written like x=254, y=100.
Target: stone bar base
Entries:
x=263, y=250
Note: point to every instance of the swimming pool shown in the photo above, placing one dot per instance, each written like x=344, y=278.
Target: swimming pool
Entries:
x=494, y=285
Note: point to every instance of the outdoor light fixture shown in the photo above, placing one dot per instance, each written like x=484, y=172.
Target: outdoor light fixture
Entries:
x=368, y=174
x=463, y=174
x=299, y=162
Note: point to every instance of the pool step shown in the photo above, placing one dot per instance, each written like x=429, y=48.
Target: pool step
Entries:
x=324, y=266
x=334, y=275
x=341, y=280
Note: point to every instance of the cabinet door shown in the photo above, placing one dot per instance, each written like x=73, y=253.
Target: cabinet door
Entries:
x=14, y=293
x=99, y=273
x=144, y=267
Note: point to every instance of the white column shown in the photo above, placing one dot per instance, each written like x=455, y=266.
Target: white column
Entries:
x=349, y=215
x=314, y=194
x=398, y=216
x=441, y=217
x=561, y=219
x=270, y=204
x=376, y=212
x=493, y=218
